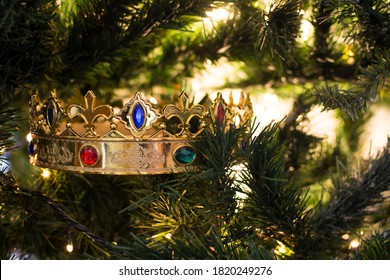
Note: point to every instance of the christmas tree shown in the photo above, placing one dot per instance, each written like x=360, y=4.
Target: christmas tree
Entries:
x=266, y=190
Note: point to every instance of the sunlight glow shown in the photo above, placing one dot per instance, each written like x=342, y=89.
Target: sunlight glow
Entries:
x=218, y=14
x=306, y=30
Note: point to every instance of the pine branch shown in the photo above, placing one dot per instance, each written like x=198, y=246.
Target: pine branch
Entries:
x=353, y=101
x=214, y=248
x=368, y=22
x=281, y=28
x=375, y=248
x=17, y=198
x=349, y=101
x=7, y=125
x=275, y=207
x=194, y=203
x=105, y=33
x=298, y=141
x=352, y=196
x=375, y=76
x=238, y=38
x=323, y=53
x=350, y=200
x=26, y=43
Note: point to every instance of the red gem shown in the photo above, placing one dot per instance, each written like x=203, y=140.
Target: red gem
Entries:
x=220, y=113
x=89, y=155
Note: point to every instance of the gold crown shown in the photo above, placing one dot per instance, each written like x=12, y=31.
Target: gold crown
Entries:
x=137, y=140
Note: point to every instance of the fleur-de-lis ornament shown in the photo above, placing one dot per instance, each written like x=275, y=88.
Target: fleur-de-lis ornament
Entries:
x=90, y=113
x=184, y=114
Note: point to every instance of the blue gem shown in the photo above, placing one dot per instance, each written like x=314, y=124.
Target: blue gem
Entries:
x=31, y=150
x=138, y=116
x=185, y=155
x=51, y=113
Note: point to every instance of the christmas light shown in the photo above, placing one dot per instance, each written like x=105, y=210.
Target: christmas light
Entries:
x=280, y=249
x=69, y=247
x=355, y=243
x=345, y=236
x=45, y=173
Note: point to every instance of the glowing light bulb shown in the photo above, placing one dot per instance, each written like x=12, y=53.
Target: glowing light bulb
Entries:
x=281, y=248
x=355, y=243
x=345, y=236
x=45, y=173
x=29, y=137
x=69, y=247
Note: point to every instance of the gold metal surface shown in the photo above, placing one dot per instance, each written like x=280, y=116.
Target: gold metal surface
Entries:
x=125, y=157
x=59, y=135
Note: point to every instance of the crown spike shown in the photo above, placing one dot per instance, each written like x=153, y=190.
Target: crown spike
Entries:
x=183, y=98
x=90, y=113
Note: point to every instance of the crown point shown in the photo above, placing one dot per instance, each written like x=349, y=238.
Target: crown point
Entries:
x=90, y=99
x=90, y=94
x=183, y=99
x=183, y=94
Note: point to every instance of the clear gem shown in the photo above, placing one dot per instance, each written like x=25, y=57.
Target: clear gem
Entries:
x=185, y=155
x=89, y=155
x=138, y=115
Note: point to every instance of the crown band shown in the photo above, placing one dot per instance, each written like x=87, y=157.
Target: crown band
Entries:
x=137, y=140
x=112, y=156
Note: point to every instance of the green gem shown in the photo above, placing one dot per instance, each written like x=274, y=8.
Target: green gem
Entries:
x=185, y=155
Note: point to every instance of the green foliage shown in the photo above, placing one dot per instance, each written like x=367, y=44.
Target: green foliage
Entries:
x=375, y=248
x=368, y=22
x=350, y=200
x=27, y=43
x=354, y=100
x=252, y=198
x=281, y=28
x=275, y=207
x=349, y=101
x=7, y=125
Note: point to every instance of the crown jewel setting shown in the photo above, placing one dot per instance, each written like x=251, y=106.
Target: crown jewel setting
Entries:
x=139, y=139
